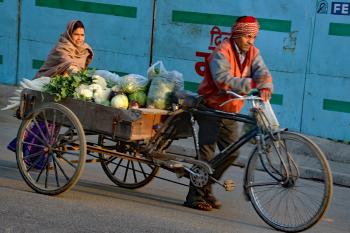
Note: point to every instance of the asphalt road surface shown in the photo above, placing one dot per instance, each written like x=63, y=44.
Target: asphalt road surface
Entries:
x=95, y=204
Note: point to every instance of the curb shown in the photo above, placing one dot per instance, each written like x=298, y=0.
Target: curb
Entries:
x=339, y=177
x=6, y=91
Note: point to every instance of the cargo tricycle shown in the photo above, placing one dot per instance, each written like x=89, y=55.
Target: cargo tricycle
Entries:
x=287, y=177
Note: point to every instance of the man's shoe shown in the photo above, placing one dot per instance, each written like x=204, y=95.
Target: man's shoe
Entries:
x=215, y=203
x=199, y=205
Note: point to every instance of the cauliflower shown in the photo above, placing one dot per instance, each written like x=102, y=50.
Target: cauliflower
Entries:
x=93, y=92
x=95, y=87
x=83, y=92
x=86, y=94
x=101, y=95
x=96, y=79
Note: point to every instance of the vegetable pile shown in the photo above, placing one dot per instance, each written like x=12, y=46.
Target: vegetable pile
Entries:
x=109, y=89
x=101, y=87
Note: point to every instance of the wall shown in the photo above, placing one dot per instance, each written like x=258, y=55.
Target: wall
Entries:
x=8, y=41
x=304, y=43
x=119, y=32
x=327, y=96
x=187, y=31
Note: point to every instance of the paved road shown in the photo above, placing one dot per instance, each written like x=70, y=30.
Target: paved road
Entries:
x=95, y=205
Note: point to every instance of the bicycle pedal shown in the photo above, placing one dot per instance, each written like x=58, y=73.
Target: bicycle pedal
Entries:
x=229, y=185
x=179, y=172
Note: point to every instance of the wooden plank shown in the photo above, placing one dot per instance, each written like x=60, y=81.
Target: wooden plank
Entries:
x=131, y=124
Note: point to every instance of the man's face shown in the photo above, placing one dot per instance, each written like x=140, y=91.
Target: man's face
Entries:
x=78, y=36
x=245, y=42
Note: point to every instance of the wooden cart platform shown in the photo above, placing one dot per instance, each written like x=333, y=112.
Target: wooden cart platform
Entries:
x=121, y=124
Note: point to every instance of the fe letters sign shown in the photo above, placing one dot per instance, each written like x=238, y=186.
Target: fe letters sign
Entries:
x=340, y=8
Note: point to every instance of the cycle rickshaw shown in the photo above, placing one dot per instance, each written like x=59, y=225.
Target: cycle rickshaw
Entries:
x=54, y=139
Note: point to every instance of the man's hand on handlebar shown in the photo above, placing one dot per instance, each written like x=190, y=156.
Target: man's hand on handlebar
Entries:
x=265, y=94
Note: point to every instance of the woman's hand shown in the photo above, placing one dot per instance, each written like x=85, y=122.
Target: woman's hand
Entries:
x=65, y=74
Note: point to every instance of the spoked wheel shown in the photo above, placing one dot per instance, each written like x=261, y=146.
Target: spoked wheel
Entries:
x=51, y=149
x=285, y=194
x=124, y=172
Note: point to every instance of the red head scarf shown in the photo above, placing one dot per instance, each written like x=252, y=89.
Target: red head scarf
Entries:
x=246, y=25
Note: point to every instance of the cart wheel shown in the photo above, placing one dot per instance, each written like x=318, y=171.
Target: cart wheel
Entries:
x=123, y=172
x=51, y=149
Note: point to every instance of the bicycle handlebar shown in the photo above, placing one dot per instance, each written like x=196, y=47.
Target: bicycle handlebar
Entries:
x=240, y=97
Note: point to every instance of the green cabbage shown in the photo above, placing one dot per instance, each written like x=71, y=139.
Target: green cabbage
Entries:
x=120, y=101
x=139, y=97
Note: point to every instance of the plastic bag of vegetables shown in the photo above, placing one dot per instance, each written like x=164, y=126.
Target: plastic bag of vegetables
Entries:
x=133, y=82
x=163, y=85
x=110, y=77
x=158, y=69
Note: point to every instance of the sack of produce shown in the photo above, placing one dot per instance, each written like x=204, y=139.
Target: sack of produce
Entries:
x=163, y=86
x=133, y=82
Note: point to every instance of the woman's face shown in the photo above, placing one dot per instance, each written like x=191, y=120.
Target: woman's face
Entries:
x=78, y=36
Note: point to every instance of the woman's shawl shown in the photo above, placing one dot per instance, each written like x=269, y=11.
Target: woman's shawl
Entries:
x=66, y=54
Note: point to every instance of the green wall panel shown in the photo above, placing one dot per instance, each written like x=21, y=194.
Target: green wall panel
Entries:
x=91, y=7
x=339, y=29
x=226, y=20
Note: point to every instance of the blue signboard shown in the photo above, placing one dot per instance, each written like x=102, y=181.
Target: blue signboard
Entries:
x=340, y=8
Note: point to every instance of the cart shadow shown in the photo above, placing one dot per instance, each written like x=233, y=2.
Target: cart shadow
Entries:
x=164, y=202
x=114, y=192
x=9, y=171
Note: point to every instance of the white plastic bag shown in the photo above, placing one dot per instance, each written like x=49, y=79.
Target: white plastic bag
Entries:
x=270, y=115
x=157, y=69
x=133, y=82
x=108, y=76
x=163, y=85
x=35, y=84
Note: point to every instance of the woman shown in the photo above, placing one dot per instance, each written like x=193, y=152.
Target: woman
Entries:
x=70, y=54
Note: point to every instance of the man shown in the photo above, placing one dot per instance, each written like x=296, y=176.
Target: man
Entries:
x=236, y=65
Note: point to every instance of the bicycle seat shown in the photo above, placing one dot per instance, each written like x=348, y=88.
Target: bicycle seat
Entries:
x=187, y=99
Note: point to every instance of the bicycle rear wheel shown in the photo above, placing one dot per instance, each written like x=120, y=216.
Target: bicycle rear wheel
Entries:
x=294, y=196
x=126, y=173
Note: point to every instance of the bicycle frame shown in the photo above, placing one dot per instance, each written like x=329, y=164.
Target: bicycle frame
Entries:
x=234, y=146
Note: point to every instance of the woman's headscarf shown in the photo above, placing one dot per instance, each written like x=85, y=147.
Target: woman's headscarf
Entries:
x=66, y=54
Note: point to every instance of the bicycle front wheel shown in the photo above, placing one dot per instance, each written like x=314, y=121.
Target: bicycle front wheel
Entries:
x=289, y=183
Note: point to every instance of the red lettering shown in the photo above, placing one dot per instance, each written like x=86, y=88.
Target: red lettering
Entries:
x=200, y=66
x=216, y=38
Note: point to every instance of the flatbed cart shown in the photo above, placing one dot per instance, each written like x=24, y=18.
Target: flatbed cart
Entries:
x=54, y=139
